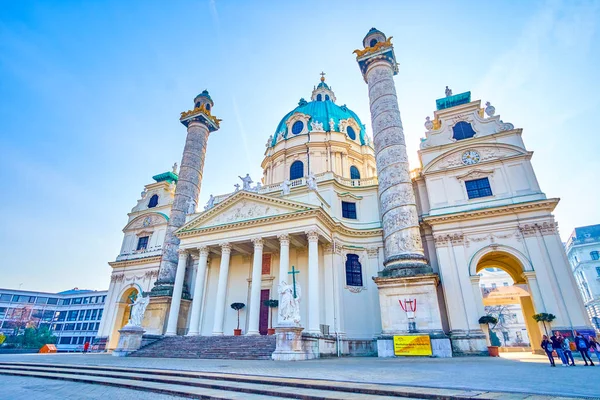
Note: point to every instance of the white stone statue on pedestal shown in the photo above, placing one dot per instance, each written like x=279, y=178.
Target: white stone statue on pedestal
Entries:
x=191, y=206
x=247, y=181
x=286, y=187
x=175, y=168
x=237, y=187
x=138, y=308
x=311, y=181
x=144, y=193
x=289, y=307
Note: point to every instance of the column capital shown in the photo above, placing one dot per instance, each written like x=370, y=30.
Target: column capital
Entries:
x=225, y=247
x=475, y=279
x=528, y=275
x=312, y=235
x=373, y=252
x=203, y=251
x=284, y=239
x=258, y=242
x=182, y=252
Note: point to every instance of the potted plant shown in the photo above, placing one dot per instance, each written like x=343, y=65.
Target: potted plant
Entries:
x=543, y=318
x=494, y=342
x=271, y=304
x=237, y=307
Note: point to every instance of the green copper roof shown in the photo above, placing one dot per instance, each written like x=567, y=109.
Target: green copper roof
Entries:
x=166, y=176
x=453, y=101
x=321, y=111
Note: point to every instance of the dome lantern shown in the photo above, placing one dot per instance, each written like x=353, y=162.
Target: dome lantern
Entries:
x=322, y=92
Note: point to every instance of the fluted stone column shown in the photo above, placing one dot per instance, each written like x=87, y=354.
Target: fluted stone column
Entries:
x=313, y=282
x=222, y=289
x=194, y=329
x=284, y=264
x=254, y=312
x=404, y=255
x=200, y=123
x=177, y=290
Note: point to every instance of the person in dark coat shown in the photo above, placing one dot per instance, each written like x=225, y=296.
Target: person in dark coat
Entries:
x=547, y=347
x=583, y=345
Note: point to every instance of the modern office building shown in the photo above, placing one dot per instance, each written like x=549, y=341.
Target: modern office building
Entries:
x=73, y=315
x=583, y=250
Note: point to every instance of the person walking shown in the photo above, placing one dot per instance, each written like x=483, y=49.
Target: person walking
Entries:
x=566, y=345
x=557, y=340
x=583, y=345
x=595, y=347
x=86, y=347
x=547, y=347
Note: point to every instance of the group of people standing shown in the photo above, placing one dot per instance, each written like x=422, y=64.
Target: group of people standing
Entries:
x=562, y=346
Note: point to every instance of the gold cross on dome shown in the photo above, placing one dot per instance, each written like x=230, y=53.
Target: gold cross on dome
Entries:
x=322, y=76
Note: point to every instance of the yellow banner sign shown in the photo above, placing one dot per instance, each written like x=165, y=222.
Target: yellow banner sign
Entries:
x=414, y=345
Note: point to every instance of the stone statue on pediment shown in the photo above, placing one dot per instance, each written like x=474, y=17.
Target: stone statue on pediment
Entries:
x=237, y=187
x=311, y=181
x=286, y=187
x=144, y=193
x=246, y=181
x=210, y=204
x=175, y=168
x=448, y=92
x=191, y=206
x=331, y=125
x=428, y=124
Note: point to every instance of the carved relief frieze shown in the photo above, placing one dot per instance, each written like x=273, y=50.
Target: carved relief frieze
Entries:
x=491, y=237
x=373, y=252
x=117, y=277
x=445, y=239
x=355, y=289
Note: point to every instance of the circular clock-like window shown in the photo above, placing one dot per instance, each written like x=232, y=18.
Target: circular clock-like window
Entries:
x=351, y=133
x=470, y=157
x=297, y=127
x=147, y=221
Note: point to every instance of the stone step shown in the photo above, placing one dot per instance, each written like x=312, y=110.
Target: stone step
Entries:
x=212, y=347
x=190, y=385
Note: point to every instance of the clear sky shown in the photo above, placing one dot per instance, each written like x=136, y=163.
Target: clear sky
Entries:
x=91, y=91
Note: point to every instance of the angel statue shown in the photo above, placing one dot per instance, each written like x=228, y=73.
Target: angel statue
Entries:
x=285, y=187
x=247, y=181
x=289, y=306
x=138, y=308
x=311, y=181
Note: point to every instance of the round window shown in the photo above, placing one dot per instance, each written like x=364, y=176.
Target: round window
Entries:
x=351, y=133
x=297, y=127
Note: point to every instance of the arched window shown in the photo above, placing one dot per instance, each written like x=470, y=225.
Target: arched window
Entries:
x=207, y=107
x=595, y=255
x=353, y=271
x=296, y=170
x=351, y=133
x=354, y=173
x=373, y=42
x=319, y=97
x=297, y=127
x=326, y=97
x=463, y=130
x=153, y=201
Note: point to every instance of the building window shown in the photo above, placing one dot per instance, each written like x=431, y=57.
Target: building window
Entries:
x=77, y=300
x=595, y=255
x=351, y=133
x=297, y=127
x=348, y=210
x=86, y=300
x=353, y=271
x=598, y=270
x=52, y=300
x=5, y=297
x=354, y=173
x=504, y=283
x=84, y=327
x=506, y=336
x=373, y=42
x=207, y=107
x=94, y=314
x=65, y=340
x=463, y=130
x=326, y=97
x=72, y=316
x=153, y=201
x=142, y=243
x=478, y=188
x=100, y=314
x=296, y=170
x=88, y=313
x=319, y=97
x=493, y=286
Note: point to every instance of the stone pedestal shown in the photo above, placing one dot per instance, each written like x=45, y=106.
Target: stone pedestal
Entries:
x=157, y=313
x=427, y=318
x=290, y=346
x=130, y=340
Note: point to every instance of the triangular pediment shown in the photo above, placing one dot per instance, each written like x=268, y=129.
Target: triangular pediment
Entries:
x=244, y=206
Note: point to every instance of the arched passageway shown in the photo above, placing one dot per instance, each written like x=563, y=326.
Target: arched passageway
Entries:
x=122, y=315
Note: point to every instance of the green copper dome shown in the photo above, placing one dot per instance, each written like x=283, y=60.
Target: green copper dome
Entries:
x=322, y=111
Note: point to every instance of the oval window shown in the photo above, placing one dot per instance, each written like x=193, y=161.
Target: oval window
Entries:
x=373, y=42
x=297, y=127
x=319, y=97
x=351, y=133
x=326, y=97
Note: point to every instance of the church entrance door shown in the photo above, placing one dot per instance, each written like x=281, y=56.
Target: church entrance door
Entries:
x=263, y=323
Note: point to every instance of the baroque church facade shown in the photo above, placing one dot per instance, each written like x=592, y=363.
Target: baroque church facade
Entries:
x=374, y=249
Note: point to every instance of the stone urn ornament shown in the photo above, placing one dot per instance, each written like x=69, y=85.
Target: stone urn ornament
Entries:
x=237, y=307
x=490, y=110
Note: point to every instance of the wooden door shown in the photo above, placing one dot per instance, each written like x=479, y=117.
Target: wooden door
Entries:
x=263, y=324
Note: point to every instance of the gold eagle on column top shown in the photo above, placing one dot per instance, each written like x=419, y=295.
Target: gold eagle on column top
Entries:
x=378, y=46
x=200, y=110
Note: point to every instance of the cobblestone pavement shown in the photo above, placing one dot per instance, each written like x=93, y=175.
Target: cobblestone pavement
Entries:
x=520, y=372
x=22, y=388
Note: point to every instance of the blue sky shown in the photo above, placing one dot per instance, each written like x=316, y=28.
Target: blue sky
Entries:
x=90, y=96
